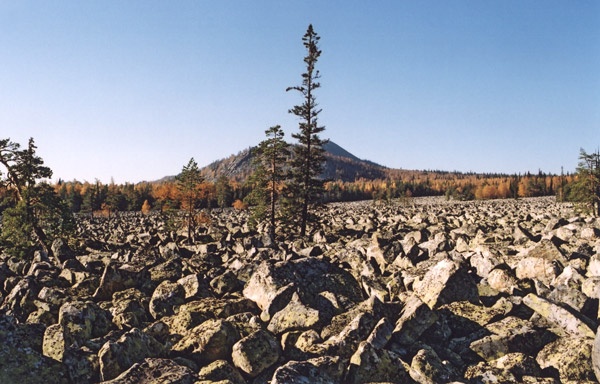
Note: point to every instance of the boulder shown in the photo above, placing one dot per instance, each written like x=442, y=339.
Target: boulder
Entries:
x=256, y=352
x=167, y=295
x=133, y=347
x=272, y=285
x=210, y=341
x=156, y=370
x=416, y=317
x=295, y=316
x=369, y=364
x=571, y=357
x=221, y=371
x=558, y=316
x=321, y=370
x=445, y=283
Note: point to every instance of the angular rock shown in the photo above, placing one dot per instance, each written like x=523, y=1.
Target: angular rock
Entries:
x=221, y=371
x=416, y=317
x=427, y=367
x=511, y=334
x=166, y=296
x=21, y=360
x=133, y=347
x=321, y=370
x=155, y=370
x=571, y=356
x=295, y=316
x=445, y=283
x=256, y=352
x=558, y=316
x=369, y=364
x=210, y=341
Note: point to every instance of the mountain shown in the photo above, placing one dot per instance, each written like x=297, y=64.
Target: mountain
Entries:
x=339, y=165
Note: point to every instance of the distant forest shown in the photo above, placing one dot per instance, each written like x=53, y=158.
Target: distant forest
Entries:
x=105, y=199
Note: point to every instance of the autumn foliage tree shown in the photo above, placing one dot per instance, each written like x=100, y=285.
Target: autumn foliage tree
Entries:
x=305, y=188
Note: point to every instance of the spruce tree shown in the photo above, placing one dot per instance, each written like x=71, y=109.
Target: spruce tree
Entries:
x=305, y=188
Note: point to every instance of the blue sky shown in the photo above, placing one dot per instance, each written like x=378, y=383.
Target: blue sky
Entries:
x=132, y=89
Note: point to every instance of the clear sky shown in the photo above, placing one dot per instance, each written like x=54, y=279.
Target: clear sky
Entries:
x=133, y=89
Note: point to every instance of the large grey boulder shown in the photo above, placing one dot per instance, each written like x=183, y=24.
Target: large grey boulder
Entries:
x=210, y=341
x=154, y=371
x=444, y=283
x=133, y=347
x=256, y=352
x=273, y=284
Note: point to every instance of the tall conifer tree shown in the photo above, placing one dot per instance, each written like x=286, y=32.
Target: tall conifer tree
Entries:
x=307, y=163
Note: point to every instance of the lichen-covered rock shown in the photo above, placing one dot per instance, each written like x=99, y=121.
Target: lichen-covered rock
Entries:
x=256, y=352
x=416, y=317
x=210, y=341
x=427, y=368
x=154, y=371
x=130, y=309
x=167, y=295
x=221, y=371
x=295, y=316
x=78, y=322
x=445, y=283
x=133, y=347
x=321, y=370
x=369, y=364
x=511, y=334
x=21, y=360
x=571, y=356
x=558, y=316
x=308, y=277
x=82, y=365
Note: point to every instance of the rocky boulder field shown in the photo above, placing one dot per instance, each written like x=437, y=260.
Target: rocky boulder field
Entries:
x=419, y=291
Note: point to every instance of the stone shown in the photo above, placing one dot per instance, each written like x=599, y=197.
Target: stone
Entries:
x=210, y=341
x=571, y=357
x=221, y=370
x=21, y=360
x=446, y=282
x=321, y=370
x=369, y=364
x=256, y=352
x=295, y=316
x=133, y=347
x=165, y=297
x=427, y=367
x=416, y=317
x=156, y=370
x=558, y=316
x=511, y=334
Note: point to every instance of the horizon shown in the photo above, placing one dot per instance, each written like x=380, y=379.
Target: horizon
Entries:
x=131, y=91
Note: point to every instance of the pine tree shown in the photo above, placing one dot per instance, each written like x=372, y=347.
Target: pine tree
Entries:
x=587, y=187
x=307, y=163
x=188, y=183
x=270, y=159
x=38, y=215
